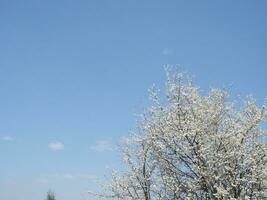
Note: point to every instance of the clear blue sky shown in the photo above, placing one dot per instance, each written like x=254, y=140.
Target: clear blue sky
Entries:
x=74, y=73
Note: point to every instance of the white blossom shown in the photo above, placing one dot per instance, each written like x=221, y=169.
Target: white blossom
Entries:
x=194, y=146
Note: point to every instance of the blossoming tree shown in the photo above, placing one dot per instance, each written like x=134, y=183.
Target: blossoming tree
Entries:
x=194, y=146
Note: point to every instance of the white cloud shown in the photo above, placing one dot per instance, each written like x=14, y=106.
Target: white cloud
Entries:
x=50, y=178
x=79, y=176
x=7, y=138
x=166, y=52
x=56, y=146
x=68, y=176
x=102, y=145
x=43, y=180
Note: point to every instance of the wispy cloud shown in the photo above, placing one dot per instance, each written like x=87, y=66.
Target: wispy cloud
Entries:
x=102, y=145
x=70, y=177
x=7, y=138
x=166, y=52
x=43, y=180
x=56, y=146
x=79, y=176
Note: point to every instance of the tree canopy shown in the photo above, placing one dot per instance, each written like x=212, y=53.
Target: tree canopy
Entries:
x=193, y=145
x=50, y=196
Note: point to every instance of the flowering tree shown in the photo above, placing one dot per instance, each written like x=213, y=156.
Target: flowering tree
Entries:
x=194, y=146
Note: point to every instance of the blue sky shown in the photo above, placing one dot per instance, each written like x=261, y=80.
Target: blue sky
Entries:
x=74, y=73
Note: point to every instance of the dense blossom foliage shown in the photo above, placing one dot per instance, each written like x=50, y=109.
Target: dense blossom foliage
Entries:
x=194, y=146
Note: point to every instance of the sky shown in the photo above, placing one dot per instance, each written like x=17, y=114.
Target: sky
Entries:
x=74, y=74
